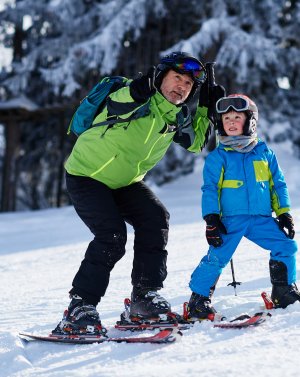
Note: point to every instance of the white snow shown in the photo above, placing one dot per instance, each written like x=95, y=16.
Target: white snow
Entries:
x=19, y=103
x=41, y=251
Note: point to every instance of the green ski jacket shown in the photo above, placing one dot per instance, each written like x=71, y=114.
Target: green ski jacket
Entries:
x=121, y=154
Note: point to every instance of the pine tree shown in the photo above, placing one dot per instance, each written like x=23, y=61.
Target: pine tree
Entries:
x=68, y=40
x=256, y=48
x=62, y=47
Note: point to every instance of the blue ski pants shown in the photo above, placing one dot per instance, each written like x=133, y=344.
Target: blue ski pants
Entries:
x=263, y=231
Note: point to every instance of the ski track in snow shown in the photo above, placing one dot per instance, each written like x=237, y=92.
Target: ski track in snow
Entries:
x=40, y=252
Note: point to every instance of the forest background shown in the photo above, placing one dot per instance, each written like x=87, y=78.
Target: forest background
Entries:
x=53, y=51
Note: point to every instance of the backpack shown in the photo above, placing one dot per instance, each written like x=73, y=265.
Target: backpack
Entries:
x=94, y=102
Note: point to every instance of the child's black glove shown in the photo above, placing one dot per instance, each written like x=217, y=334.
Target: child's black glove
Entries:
x=214, y=228
x=208, y=96
x=285, y=220
x=142, y=88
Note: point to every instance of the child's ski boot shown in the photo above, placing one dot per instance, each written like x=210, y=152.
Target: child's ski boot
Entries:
x=285, y=295
x=199, y=308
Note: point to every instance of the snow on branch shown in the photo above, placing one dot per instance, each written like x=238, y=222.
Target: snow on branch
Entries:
x=101, y=51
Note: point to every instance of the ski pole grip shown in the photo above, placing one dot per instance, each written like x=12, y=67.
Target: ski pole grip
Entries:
x=210, y=70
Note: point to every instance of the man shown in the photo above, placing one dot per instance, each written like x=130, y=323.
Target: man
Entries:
x=104, y=179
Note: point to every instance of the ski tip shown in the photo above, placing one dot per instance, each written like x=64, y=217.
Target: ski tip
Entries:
x=174, y=334
x=23, y=337
x=177, y=334
x=263, y=314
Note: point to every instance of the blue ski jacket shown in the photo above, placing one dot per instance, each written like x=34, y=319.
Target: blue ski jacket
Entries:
x=250, y=183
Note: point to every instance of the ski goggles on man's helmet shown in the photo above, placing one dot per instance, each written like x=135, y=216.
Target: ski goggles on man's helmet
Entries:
x=237, y=103
x=187, y=65
x=191, y=66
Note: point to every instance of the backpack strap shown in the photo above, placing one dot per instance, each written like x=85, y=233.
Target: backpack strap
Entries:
x=93, y=103
x=139, y=113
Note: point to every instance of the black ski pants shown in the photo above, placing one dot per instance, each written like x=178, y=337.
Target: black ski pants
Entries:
x=105, y=212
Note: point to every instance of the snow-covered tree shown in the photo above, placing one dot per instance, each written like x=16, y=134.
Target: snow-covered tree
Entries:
x=62, y=47
x=65, y=40
x=256, y=45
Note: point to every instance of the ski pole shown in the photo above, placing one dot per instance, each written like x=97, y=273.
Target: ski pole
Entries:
x=234, y=282
x=211, y=82
x=209, y=66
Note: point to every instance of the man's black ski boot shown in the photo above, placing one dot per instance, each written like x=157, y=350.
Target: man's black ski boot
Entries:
x=147, y=303
x=283, y=294
x=199, y=308
x=80, y=318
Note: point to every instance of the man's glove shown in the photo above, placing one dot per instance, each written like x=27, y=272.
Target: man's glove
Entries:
x=214, y=228
x=208, y=96
x=285, y=220
x=142, y=88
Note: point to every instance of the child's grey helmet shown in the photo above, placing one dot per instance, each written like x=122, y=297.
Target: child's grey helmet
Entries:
x=239, y=103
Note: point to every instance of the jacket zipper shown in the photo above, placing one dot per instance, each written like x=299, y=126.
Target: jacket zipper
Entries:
x=103, y=166
x=146, y=158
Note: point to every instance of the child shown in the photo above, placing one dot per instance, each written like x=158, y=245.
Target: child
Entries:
x=243, y=184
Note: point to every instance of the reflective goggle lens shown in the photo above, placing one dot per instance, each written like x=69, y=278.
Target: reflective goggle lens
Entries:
x=237, y=103
x=193, y=67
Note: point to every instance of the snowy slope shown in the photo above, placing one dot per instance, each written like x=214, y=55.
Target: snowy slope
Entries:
x=41, y=251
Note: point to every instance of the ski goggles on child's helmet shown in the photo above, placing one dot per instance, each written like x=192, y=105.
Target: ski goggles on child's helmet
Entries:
x=236, y=103
x=183, y=63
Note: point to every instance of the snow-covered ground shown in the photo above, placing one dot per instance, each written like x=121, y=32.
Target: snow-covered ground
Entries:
x=41, y=251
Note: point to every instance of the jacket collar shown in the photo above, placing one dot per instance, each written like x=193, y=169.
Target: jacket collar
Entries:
x=167, y=109
x=260, y=144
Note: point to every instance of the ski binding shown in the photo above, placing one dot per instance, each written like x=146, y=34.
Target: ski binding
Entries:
x=127, y=322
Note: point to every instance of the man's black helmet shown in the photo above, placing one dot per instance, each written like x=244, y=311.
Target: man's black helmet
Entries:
x=181, y=62
x=239, y=103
